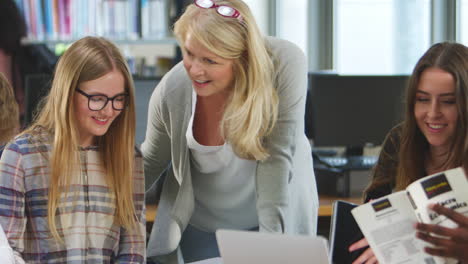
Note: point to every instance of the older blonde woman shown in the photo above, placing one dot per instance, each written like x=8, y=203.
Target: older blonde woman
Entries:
x=229, y=120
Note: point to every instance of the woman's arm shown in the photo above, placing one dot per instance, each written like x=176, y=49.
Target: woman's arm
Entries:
x=273, y=174
x=156, y=148
x=12, y=199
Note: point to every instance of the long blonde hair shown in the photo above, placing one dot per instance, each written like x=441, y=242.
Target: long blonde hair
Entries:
x=452, y=58
x=88, y=59
x=252, y=109
x=9, y=115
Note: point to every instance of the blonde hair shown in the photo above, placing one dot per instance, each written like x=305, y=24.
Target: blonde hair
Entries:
x=252, y=109
x=9, y=115
x=88, y=59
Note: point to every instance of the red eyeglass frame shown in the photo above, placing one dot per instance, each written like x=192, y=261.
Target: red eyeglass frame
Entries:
x=214, y=5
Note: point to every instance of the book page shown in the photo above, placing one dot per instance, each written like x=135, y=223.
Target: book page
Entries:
x=387, y=223
x=449, y=188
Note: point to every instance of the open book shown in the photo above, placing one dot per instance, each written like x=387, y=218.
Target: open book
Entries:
x=387, y=222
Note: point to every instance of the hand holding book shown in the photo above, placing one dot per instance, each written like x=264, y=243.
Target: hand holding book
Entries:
x=388, y=222
x=367, y=256
x=449, y=242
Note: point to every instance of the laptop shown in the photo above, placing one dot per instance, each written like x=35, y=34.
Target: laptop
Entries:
x=257, y=248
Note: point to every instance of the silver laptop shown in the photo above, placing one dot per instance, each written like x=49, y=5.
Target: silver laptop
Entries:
x=257, y=248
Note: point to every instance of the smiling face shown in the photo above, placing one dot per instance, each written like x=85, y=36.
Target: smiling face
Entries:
x=96, y=123
x=210, y=74
x=435, y=108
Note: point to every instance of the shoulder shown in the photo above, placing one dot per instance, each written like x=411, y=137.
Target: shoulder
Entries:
x=30, y=143
x=393, y=137
x=285, y=51
x=290, y=68
x=176, y=82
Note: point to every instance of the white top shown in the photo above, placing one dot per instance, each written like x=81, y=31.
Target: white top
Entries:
x=224, y=186
x=6, y=253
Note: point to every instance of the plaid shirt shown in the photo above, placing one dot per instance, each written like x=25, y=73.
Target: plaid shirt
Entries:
x=85, y=221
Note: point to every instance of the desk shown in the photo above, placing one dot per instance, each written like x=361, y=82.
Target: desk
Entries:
x=325, y=209
x=326, y=203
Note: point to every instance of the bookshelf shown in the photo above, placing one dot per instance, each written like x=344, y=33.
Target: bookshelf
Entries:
x=141, y=28
x=122, y=21
x=160, y=41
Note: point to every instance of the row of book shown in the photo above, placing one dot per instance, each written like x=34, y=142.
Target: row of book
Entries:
x=55, y=20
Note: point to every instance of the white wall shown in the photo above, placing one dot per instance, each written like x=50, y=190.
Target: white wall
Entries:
x=260, y=9
x=292, y=22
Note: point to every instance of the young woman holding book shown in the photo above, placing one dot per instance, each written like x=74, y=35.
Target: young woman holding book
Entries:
x=228, y=125
x=72, y=184
x=433, y=138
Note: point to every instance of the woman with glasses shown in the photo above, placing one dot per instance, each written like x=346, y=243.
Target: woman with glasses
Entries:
x=72, y=184
x=226, y=125
x=433, y=138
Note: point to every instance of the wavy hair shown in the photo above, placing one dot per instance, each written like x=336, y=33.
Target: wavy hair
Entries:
x=9, y=115
x=452, y=58
x=252, y=109
x=88, y=59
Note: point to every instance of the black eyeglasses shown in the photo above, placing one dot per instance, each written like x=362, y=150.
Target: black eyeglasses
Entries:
x=224, y=10
x=97, y=102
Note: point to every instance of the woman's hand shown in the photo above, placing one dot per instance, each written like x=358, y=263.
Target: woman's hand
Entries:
x=367, y=256
x=454, y=242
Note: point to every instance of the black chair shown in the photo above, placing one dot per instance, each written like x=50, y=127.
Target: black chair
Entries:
x=36, y=87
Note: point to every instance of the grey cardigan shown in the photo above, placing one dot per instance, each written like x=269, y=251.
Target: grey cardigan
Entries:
x=287, y=199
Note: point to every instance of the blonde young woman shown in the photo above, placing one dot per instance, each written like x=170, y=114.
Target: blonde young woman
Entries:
x=229, y=123
x=9, y=116
x=71, y=185
x=433, y=138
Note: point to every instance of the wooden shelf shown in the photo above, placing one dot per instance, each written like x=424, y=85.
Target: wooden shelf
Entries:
x=162, y=41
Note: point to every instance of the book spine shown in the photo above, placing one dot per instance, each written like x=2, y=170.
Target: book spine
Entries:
x=99, y=18
x=39, y=20
x=48, y=19
x=32, y=18
x=145, y=22
x=55, y=20
x=67, y=9
x=61, y=18
x=27, y=20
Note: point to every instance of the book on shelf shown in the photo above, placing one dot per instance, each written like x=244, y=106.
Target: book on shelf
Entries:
x=387, y=223
x=68, y=20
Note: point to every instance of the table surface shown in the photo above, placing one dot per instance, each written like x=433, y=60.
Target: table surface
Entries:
x=325, y=209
